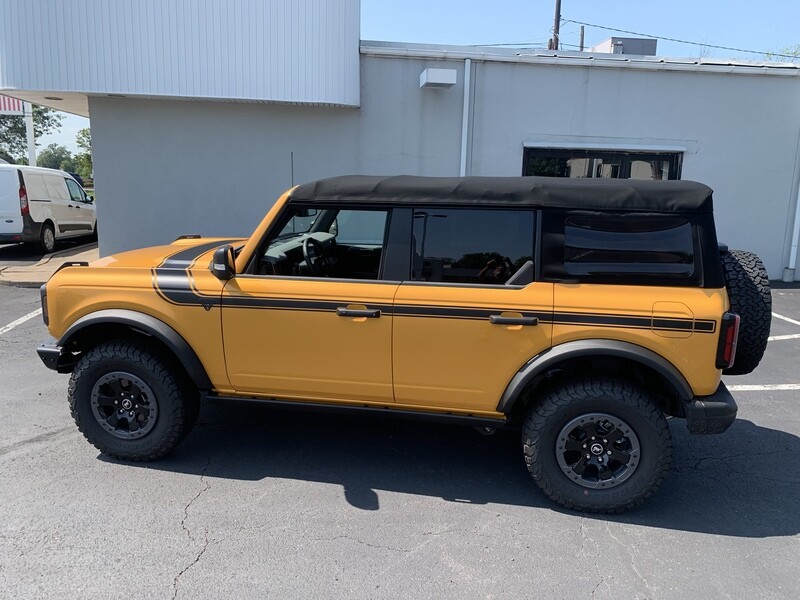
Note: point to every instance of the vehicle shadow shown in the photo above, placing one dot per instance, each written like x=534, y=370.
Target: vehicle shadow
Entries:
x=745, y=483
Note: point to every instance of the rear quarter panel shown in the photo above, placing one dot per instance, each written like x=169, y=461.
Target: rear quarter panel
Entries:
x=679, y=324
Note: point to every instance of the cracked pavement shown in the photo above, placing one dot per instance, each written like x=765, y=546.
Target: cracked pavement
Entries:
x=267, y=504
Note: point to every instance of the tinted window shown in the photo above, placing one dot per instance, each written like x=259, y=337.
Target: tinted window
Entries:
x=473, y=246
x=628, y=245
x=580, y=163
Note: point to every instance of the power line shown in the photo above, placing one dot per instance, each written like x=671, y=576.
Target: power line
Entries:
x=669, y=39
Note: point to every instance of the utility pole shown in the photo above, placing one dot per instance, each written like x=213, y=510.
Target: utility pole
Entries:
x=581, y=44
x=556, y=26
x=28, y=116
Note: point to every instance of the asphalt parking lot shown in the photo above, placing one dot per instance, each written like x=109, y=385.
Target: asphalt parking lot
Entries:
x=258, y=503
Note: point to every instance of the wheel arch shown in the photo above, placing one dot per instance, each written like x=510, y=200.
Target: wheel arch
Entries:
x=567, y=357
x=112, y=323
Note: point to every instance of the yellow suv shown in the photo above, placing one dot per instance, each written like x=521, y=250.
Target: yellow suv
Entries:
x=583, y=311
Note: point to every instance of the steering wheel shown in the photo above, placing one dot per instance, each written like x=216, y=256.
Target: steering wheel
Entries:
x=316, y=261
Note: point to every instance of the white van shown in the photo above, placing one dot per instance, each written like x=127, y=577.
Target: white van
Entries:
x=43, y=205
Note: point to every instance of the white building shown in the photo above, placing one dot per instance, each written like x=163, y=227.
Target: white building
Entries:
x=203, y=112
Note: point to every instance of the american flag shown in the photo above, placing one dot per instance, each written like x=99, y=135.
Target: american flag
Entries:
x=10, y=106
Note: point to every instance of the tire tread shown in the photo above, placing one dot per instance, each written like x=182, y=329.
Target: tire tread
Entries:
x=184, y=407
x=563, y=397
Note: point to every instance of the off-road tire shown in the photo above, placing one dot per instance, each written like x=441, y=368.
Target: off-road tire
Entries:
x=621, y=399
x=47, y=238
x=177, y=399
x=750, y=298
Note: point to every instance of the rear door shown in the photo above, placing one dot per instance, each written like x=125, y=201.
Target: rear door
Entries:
x=10, y=215
x=472, y=314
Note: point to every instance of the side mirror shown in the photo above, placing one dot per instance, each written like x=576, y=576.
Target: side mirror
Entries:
x=223, y=266
x=89, y=199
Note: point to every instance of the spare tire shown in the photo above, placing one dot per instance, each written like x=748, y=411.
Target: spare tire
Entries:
x=750, y=298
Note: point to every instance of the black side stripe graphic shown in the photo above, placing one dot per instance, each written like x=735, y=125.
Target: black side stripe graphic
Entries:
x=172, y=281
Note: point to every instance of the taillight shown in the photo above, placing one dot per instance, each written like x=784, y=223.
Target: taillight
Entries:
x=23, y=201
x=728, y=337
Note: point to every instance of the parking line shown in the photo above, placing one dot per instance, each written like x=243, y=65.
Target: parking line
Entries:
x=775, y=338
x=777, y=316
x=770, y=387
x=20, y=321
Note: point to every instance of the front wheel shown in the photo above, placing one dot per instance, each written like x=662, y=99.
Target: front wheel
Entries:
x=130, y=401
x=597, y=445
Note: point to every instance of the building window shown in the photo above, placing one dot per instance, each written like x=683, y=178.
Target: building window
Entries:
x=545, y=162
x=464, y=246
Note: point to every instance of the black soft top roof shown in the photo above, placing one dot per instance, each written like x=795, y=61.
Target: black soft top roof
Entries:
x=557, y=192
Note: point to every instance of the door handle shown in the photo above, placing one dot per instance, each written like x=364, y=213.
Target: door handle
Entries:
x=70, y=206
x=352, y=312
x=501, y=320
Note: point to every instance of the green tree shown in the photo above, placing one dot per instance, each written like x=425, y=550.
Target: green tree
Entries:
x=54, y=156
x=13, y=139
x=83, y=160
x=787, y=54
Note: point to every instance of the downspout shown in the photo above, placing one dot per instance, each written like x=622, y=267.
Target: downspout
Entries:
x=465, y=116
x=789, y=273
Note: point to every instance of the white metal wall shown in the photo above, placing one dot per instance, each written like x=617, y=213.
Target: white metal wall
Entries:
x=740, y=135
x=298, y=51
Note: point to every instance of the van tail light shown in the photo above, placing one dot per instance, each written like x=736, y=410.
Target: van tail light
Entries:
x=728, y=337
x=23, y=201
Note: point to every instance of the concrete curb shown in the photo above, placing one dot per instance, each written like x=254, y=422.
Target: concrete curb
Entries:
x=33, y=276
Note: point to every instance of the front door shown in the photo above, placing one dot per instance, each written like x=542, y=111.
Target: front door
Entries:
x=472, y=314
x=82, y=211
x=312, y=317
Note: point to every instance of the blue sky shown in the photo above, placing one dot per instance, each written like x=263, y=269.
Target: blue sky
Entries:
x=764, y=26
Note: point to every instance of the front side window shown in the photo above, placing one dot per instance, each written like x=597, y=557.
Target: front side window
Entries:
x=465, y=246
x=326, y=242
x=75, y=191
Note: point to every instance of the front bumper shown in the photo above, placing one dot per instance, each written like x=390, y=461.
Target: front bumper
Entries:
x=56, y=358
x=711, y=414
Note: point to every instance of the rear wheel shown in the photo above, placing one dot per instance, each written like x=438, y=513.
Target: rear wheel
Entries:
x=597, y=445
x=47, y=238
x=130, y=401
x=749, y=294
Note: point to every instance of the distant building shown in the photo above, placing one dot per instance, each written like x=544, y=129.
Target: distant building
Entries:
x=621, y=45
x=201, y=117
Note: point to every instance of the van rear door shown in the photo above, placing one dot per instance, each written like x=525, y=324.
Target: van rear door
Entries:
x=10, y=215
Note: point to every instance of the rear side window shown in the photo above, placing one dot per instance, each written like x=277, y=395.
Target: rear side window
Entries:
x=56, y=187
x=35, y=186
x=466, y=246
x=626, y=245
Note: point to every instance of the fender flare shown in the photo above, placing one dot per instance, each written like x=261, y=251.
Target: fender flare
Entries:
x=552, y=356
x=150, y=326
